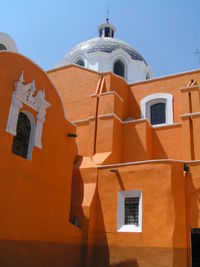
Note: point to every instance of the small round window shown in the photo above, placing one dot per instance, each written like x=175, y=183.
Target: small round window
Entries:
x=80, y=62
x=2, y=47
x=119, y=68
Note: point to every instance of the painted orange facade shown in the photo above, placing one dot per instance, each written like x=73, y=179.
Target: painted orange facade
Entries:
x=62, y=207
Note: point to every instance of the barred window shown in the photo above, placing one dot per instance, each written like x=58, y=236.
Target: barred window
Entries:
x=21, y=139
x=158, y=114
x=131, y=211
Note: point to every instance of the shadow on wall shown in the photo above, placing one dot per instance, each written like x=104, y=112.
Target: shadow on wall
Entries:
x=90, y=220
x=179, y=233
x=133, y=148
x=193, y=199
x=133, y=107
x=77, y=216
x=101, y=251
x=186, y=203
x=14, y=253
x=130, y=263
x=158, y=151
x=134, y=112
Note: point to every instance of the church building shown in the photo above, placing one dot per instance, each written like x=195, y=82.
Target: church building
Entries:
x=100, y=161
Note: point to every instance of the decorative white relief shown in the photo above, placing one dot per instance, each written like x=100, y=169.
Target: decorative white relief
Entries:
x=35, y=99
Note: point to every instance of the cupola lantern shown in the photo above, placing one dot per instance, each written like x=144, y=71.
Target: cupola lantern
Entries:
x=106, y=29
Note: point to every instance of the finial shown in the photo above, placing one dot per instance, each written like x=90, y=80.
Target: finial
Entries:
x=21, y=78
x=107, y=19
x=33, y=89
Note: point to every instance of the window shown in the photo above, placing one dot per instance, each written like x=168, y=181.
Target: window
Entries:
x=80, y=62
x=129, y=211
x=158, y=108
x=22, y=141
x=2, y=47
x=158, y=115
x=107, y=32
x=119, y=68
x=148, y=76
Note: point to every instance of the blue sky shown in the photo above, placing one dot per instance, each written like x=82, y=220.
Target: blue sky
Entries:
x=165, y=32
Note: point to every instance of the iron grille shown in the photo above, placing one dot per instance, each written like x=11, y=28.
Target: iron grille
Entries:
x=132, y=211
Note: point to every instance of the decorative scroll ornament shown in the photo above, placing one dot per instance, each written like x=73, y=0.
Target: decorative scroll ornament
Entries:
x=35, y=99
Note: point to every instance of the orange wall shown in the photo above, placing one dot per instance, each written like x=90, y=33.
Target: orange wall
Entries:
x=135, y=140
x=167, y=142
x=169, y=84
x=35, y=195
x=162, y=241
x=76, y=85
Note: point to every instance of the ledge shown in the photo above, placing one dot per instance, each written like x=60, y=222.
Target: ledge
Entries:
x=189, y=89
x=166, y=125
x=84, y=121
x=110, y=115
x=107, y=93
x=148, y=162
x=192, y=115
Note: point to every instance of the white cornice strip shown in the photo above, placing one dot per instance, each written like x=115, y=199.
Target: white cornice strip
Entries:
x=146, y=161
x=190, y=114
x=113, y=92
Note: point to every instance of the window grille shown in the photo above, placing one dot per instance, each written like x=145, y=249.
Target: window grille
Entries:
x=131, y=211
x=158, y=114
x=21, y=139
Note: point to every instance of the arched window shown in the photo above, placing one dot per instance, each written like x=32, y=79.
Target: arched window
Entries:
x=147, y=76
x=119, y=68
x=22, y=141
x=157, y=108
x=2, y=47
x=80, y=62
x=158, y=114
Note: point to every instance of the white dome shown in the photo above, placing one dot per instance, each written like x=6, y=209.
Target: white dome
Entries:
x=7, y=43
x=102, y=53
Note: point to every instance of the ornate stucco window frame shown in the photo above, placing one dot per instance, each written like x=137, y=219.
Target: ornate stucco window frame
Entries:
x=150, y=100
x=122, y=195
x=35, y=99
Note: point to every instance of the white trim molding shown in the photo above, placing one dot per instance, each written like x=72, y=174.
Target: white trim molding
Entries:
x=35, y=99
x=122, y=195
x=150, y=100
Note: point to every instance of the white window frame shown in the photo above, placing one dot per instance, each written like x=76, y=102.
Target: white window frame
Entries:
x=122, y=195
x=150, y=100
x=35, y=99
